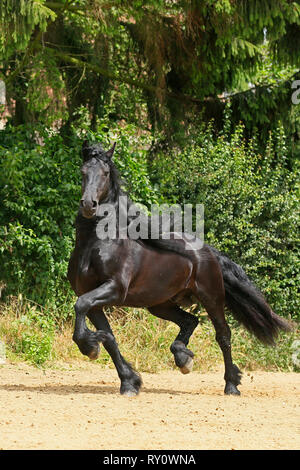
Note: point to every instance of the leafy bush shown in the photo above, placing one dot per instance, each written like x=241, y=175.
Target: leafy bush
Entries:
x=40, y=190
x=251, y=213
x=39, y=193
x=250, y=203
x=28, y=330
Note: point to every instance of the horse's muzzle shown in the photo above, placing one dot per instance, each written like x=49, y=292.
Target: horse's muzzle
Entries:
x=88, y=208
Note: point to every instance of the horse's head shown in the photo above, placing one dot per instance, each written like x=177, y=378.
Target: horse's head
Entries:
x=95, y=177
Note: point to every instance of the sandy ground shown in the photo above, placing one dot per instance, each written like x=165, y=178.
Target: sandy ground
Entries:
x=82, y=409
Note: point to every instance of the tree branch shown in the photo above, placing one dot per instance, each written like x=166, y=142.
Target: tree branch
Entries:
x=130, y=81
x=60, y=6
x=55, y=6
x=153, y=89
x=278, y=84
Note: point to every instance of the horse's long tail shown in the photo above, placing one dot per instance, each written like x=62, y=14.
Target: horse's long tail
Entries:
x=247, y=303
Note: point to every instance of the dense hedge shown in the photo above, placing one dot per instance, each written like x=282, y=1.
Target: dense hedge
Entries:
x=40, y=191
x=250, y=204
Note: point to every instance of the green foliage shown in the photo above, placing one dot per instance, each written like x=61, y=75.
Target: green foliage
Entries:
x=28, y=330
x=34, y=347
x=156, y=63
x=127, y=69
x=40, y=190
x=251, y=205
x=251, y=213
x=45, y=90
x=250, y=200
x=18, y=18
x=39, y=193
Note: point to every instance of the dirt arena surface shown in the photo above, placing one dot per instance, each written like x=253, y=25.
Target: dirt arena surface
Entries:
x=80, y=408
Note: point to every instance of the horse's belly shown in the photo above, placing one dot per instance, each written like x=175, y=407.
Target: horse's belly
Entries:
x=164, y=278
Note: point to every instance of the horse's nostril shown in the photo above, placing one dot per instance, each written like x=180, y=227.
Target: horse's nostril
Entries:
x=84, y=203
x=88, y=207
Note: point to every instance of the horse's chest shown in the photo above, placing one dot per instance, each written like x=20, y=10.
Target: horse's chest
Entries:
x=86, y=278
x=82, y=274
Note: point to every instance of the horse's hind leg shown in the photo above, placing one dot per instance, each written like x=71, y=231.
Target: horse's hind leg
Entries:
x=187, y=323
x=209, y=289
x=215, y=310
x=130, y=379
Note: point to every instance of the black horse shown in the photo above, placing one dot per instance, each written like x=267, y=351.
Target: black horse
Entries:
x=158, y=274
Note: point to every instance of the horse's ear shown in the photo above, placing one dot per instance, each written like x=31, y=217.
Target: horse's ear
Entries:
x=110, y=152
x=84, y=150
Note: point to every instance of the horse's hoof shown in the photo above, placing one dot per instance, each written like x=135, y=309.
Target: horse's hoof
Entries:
x=230, y=389
x=188, y=366
x=130, y=393
x=94, y=354
x=129, y=390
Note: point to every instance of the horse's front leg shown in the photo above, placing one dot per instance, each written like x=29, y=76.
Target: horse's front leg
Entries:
x=130, y=379
x=109, y=293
